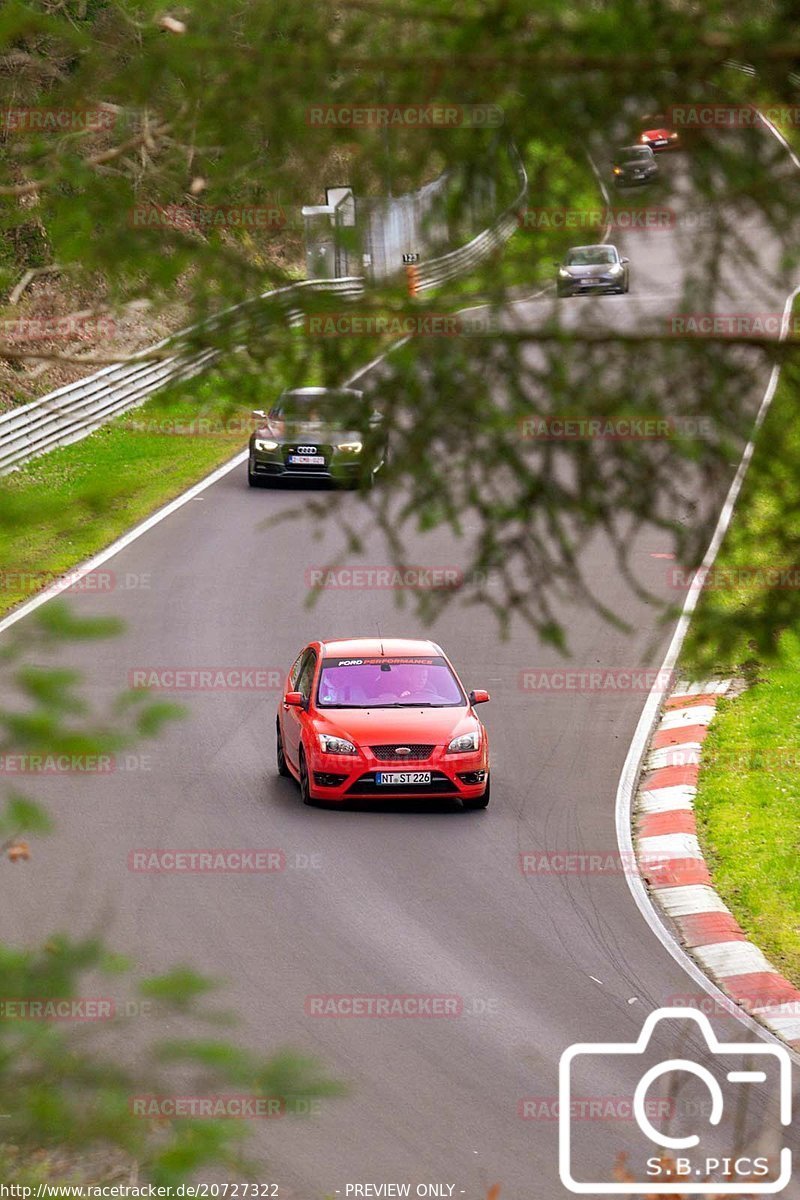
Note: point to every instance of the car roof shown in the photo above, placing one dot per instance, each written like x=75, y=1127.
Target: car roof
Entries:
x=635, y=146
x=321, y=391
x=370, y=647
x=593, y=246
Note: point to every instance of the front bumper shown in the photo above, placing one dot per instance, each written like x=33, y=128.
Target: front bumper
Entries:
x=339, y=777
x=589, y=287
x=635, y=180
x=267, y=466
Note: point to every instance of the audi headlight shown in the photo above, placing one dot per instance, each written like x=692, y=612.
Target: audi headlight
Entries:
x=265, y=444
x=335, y=745
x=350, y=447
x=465, y=743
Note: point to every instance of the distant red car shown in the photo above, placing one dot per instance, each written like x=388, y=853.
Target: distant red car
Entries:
x=658, y=134
x=371, y=718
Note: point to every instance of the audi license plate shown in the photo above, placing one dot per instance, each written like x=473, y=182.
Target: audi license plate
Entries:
x=312, y=460
x=406, y=777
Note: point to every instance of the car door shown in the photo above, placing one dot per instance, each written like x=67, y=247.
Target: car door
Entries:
x=290, y=726
x=296, y=718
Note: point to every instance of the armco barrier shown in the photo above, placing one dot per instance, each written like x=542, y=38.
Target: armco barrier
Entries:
x=437, y=271
x=74, y=411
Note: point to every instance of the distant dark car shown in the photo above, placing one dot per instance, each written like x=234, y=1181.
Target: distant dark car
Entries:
x=634, y=166
x=589, y=269
x=309, y=434
x=658, y=134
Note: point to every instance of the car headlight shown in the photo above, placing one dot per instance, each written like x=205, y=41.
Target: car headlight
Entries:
x=563, y=273
x=265, y=444
x=350, y=447
x=464, y=743
x=616, y=269
x=673, y=137
x=335, y=745
x=643, y=138
x=617, y=170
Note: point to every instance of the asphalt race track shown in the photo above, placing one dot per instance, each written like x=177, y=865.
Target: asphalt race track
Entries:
x=397, y=901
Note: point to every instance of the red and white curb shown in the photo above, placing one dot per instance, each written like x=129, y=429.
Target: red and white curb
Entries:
x=672, y=864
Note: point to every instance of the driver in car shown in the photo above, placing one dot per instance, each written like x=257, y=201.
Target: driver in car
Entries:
x=420, y=686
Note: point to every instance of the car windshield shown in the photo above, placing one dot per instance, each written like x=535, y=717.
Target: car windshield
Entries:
x=590, y=256
x=328, y=409
x=388, y=683
x=634, y=153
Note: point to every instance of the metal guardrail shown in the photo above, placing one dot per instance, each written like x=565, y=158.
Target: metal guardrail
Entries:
x=74, y=411
x=437, y=271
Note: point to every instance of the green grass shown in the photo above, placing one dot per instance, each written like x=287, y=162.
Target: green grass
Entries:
x=69, y=504
x=748, y=802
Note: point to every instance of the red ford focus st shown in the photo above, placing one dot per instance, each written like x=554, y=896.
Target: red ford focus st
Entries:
x=374, y=718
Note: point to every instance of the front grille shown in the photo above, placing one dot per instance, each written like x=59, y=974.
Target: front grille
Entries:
x=439, y=785
x=419, y=752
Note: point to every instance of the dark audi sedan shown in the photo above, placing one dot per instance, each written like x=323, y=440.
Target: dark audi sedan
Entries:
x=309, y=434
x=634, y=166
x=589, y=269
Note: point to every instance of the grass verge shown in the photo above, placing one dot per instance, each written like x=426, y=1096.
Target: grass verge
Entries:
x=748, y=624
x=69, y=504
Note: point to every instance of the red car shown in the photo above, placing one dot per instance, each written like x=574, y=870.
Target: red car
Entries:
x=657, y=134
x=378, y=718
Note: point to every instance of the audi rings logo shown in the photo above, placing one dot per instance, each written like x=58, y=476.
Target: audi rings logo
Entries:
x=306, y=449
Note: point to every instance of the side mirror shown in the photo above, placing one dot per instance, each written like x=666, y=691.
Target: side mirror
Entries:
x=624, y=260
x=259, y=412
x=294, y=700
x=479, y=696
x=376, y=418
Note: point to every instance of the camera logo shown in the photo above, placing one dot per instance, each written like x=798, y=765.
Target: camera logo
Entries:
x=689, y=1175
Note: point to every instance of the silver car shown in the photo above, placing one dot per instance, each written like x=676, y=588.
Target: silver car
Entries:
x=589, y=269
